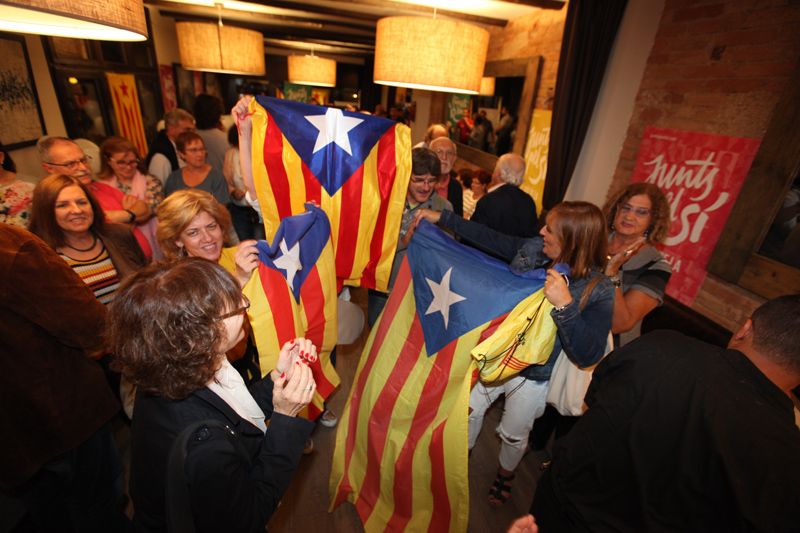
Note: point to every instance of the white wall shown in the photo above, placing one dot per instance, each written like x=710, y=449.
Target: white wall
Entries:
x=423, y=115
x=164, y=38
x=609, y=125
x=27, y=159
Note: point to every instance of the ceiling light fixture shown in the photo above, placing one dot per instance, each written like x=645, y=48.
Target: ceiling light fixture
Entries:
x=120, y=20
x=312, y=70
x=430, y=53
x=213, y=47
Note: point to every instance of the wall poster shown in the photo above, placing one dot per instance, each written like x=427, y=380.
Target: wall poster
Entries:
x=20, y=114
x=701, y=174
x=536, y=156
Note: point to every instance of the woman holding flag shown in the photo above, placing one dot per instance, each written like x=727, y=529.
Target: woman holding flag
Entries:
x=575, y=235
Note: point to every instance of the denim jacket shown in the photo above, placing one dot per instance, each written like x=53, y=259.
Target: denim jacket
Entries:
x=582, y=334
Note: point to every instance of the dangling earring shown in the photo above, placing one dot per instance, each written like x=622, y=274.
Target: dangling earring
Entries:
x=647, y=233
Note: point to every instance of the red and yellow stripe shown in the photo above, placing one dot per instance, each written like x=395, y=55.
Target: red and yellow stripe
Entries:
x=365, y=213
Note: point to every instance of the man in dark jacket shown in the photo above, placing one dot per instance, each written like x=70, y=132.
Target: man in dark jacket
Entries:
x=682, y=435
x=162, y=158
x=507, y=208
x=57, y=453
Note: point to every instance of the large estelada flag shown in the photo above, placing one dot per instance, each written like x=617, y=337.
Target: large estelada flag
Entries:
x=296, y=278
x=126, y=108
x=401, y=446
x=354, y=166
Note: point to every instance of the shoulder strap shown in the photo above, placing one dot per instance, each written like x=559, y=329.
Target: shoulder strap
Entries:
x=177, y=502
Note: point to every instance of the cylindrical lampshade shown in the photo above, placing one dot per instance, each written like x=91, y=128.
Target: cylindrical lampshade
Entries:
x=214, y=48
x=312, y=70
x=108, y=20
x=432, y=54
x=487, y=87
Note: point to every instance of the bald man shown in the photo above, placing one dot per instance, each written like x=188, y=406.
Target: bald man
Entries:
x=448, y=186
x=507, y=208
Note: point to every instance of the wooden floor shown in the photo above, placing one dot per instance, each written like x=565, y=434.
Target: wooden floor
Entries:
x=304, y=506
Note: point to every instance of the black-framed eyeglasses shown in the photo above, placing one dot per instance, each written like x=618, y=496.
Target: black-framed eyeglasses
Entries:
x=72, y=165
x=238, y=311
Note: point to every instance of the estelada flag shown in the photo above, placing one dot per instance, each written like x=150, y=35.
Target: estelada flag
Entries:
x=126, y=108
x=401, y=446
x=354, y=166
x=293, y=294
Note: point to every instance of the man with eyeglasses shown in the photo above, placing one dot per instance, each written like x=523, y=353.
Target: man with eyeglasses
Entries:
x=448, y=187
x=60, y=155
x=507, y=208
x=425, y=171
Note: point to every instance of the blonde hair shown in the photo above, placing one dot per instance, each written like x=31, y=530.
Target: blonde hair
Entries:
x=178, y=211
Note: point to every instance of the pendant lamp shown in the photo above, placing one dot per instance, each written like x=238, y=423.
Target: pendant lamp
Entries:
x=107, y=20
x=487, y=86
x=221, y=48
x=430, y=53
x=312, y=70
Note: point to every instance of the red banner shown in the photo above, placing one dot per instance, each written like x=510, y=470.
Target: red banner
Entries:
x=701, y=174
x=168, y=93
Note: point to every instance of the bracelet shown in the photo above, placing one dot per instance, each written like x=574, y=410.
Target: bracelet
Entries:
x=616, y=280
x=131, y=216
x=561, y=308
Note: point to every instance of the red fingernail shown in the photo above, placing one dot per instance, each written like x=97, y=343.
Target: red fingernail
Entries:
x=283, y=374
x=297, y=362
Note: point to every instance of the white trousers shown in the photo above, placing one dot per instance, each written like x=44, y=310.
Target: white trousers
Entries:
x=525, y=402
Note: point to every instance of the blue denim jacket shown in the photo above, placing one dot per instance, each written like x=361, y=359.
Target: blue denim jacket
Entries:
x=582, y=334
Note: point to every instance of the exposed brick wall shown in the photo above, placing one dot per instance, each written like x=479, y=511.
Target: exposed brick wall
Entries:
x=535, y=34
x=718, y=67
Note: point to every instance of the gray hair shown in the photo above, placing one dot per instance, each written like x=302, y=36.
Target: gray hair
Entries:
x=176, y=115
x=444, y=139
x=44, y=144
x=511, y=169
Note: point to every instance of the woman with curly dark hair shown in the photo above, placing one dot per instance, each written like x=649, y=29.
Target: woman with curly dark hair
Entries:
x=638, y=218
x=206, y=450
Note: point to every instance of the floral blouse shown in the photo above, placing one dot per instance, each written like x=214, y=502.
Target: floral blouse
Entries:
x=15, y=203
x=154, y=194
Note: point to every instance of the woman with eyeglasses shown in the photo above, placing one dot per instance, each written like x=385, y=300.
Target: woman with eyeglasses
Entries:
x=638, y=218
x=121, y=168
x=197, y=174
x=208, y=453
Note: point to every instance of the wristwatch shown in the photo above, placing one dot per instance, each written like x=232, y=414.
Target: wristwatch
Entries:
x=131, y=216
x=616, y=280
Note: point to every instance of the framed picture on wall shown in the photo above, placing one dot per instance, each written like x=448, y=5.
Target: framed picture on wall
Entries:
x=184, y=86
x=20, y=113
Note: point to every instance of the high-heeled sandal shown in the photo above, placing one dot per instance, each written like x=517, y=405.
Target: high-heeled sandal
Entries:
x=500, y=491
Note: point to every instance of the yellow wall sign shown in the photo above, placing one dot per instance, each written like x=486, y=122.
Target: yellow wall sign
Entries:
x=536, y=156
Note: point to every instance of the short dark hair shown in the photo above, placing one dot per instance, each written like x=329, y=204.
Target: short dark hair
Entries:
x=207, y=111
x=43, y=210
x=116, y=145
x=776, y=331
x=466, y=175
x=659, y=208
x=424, y=161
x=233, y=136
x=8, y=163
x=185, y=138
x=164, y=328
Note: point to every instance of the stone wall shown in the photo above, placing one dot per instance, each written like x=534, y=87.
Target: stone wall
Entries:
x=716, y=67
x=536, y=34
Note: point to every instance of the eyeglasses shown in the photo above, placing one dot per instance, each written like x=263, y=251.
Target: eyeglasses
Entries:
x=425, y=181
x=130, y=163
x=640, y=212
x=73, y=165
x=195, y=150
x=238, y=311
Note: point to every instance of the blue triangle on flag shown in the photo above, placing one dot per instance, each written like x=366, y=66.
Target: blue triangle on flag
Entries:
x=331, y=164
x=299, y=241
x=473, y=287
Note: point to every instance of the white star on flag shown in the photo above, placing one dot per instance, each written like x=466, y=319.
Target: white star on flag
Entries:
x=289, y=261
x=443, y=297
x=333, y=127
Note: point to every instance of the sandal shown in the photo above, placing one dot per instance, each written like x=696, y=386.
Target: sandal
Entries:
x=501, y=489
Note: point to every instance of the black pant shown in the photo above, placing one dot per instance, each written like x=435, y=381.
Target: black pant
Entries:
x=80, y=490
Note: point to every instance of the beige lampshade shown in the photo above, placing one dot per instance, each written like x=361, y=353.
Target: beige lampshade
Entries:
x=430, y=53
x=487, y=86
x=108, y=20
x=312, y=70
x=213, y=48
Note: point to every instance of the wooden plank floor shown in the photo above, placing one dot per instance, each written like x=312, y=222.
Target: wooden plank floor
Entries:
x=304, y=506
